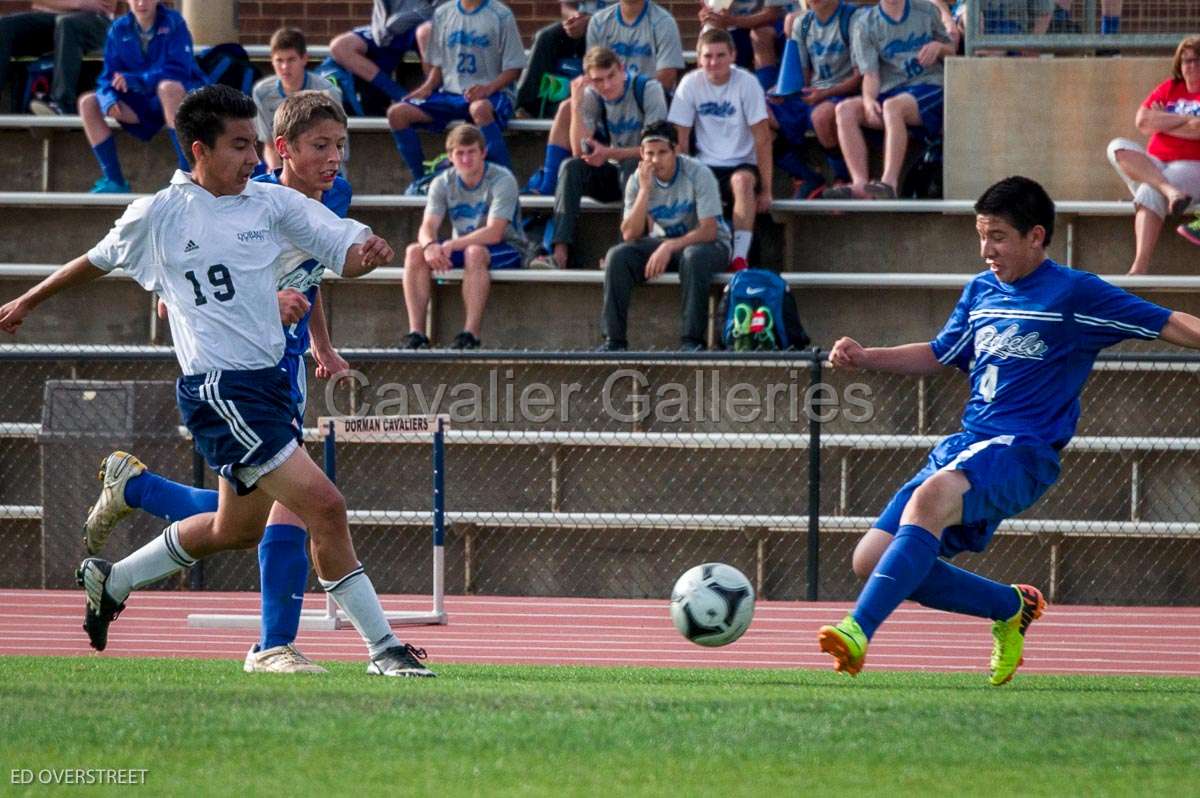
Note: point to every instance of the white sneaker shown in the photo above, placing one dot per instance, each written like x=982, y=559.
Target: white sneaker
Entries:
x=116, y=469
x=403, y=660
x=280, y=659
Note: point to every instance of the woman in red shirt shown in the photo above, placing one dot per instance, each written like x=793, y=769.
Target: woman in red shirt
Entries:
x=1165, y=175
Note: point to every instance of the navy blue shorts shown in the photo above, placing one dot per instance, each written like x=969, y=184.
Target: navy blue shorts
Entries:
x=1007, y=473
x=243, y=422
x=503, y=257
x=149, y=113
x=388, y=58
x=929, y=104
x=446, y=107
x=297, y=372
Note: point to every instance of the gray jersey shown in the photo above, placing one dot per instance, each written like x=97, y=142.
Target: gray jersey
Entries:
x=889, y=47
x=391, y=18
x=647, y=45
x=676, y=207
x=494, y=197
x=622, y=120
x=742, y=8
x=475, y=47
x=268, y=96
x=824, y=53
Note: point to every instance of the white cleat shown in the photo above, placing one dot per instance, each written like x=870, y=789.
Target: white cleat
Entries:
x=280, y=659
x=116, y=469
x=403, y=660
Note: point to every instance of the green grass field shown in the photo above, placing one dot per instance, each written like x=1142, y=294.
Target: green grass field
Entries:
x=205, y=728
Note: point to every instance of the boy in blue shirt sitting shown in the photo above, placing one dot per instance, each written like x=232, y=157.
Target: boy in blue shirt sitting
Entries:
x=148, y=68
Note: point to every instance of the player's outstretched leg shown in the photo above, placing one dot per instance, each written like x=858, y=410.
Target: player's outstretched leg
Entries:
x=115, y=470
x=846, y=643
x=1009, y=636
x=102, y=608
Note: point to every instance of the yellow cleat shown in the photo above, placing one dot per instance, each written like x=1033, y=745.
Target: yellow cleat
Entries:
x=1009, y=636
x=846, y=643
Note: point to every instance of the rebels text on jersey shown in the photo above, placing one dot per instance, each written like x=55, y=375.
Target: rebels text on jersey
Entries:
x=1029, y=346
x=300, y=271
x=214, y=262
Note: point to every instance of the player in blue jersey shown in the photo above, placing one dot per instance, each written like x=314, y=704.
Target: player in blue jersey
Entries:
x=310, y=136
x=1026, y=331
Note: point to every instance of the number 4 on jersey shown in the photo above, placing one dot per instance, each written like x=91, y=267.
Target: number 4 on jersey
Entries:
x=987, y=383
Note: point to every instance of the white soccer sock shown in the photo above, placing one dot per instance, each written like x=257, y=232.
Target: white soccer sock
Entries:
x=355, y=594
x=741, y=243
x=156, y=560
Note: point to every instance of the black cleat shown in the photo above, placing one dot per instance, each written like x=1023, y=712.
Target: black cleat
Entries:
x=101, y=610
x=415, y=340
x=465, y=340
x=403, y=660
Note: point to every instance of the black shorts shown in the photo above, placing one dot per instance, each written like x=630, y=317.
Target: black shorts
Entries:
x=723, y=173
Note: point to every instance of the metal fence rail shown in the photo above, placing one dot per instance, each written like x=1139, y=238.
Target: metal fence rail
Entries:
x=1075, y=26
x=582, y=474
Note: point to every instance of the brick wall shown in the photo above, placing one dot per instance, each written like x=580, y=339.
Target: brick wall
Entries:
x=322, y=20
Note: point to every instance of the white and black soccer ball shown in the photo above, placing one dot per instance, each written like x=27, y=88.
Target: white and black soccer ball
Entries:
x=712, y=604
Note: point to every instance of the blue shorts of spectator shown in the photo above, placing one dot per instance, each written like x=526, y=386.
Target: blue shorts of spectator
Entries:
x=503, y=257
x=446, y=107
x=388, y=58
x=929, y=104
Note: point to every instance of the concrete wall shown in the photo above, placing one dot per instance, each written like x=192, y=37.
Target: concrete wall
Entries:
x=1049, y=119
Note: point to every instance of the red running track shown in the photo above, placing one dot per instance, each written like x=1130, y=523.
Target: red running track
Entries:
x=545, y=631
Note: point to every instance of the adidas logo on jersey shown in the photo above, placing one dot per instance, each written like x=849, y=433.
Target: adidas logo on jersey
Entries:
x=192, y=246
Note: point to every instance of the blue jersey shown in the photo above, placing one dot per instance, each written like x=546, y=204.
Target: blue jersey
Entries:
x=302, y=272
x=1029, y=346
x=167, y=55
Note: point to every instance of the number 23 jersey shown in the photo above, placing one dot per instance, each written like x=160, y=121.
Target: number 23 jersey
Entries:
x=1029, y=346
x=213, y=260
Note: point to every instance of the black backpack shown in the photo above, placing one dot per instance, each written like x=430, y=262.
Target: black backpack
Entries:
x=229, y=64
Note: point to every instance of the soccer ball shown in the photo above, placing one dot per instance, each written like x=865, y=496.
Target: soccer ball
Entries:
x=712, y=604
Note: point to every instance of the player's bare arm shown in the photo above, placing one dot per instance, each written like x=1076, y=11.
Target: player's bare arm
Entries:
x=916, y=359
x=77, y=272
x=367, y=256
x=1182, y=329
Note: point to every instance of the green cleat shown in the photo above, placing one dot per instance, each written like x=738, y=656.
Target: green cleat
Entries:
x=846, y=643
x=1009, y=636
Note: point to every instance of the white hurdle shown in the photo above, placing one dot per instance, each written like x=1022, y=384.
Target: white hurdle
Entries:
x=372, y=429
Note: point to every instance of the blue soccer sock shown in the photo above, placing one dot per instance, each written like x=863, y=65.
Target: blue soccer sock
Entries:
x=767, y=76
x=947, y=587
x=1109, y=25
x=409, y=145
x=169, y=500
x=388, y=86
x=555, y=155
x=497, y=149
x=900, y=570
x=110, y=165
x=179, y=153
x=283, y=570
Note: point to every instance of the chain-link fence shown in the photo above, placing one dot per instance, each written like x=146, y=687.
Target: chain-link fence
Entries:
x=581, y=475
x=1075, y=26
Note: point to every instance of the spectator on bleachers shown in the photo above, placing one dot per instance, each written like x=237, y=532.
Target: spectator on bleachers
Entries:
x=148, y=68
x=822, y=36
x=475, y=56
x=672, y=222
x=727, y=110
x=289, y=59
x=481, y=200
x=646, y=39
x=898, y=46
x=67, y=28
x=757, y=30
x=372, y=52
x=559, y=41
x=1164, y=176
x=644, y=36
x=611, y=107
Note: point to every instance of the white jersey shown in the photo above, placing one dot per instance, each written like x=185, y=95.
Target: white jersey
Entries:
x=720, y=115
x=213, y=260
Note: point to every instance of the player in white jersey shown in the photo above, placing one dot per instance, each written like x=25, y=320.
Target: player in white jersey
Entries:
x=208, y=245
